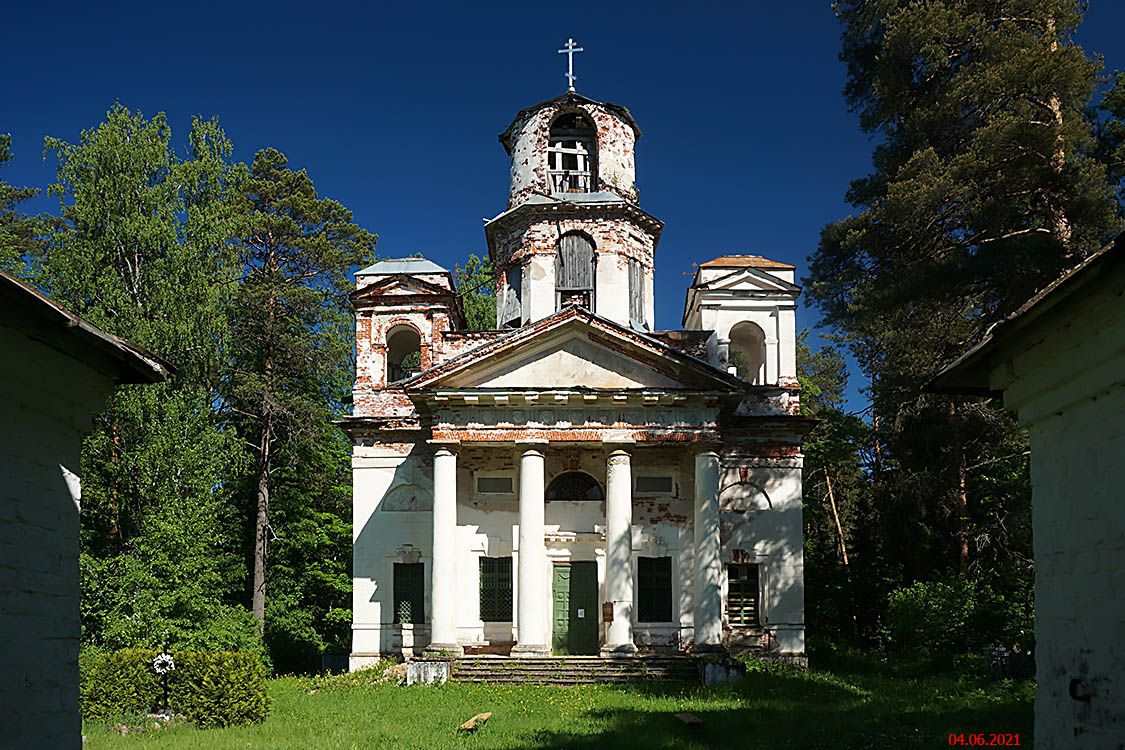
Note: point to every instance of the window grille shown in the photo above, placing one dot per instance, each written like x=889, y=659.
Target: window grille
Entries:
x=410, y=592
x=654, y=589
x=496, y=589
x=743, y=594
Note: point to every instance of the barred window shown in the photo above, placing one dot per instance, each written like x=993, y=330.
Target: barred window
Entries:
x=496, y=589
x=742, y=594
x=654, y=589
x=410, y=592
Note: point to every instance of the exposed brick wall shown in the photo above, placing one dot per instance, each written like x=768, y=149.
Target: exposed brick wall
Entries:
x=615, y=157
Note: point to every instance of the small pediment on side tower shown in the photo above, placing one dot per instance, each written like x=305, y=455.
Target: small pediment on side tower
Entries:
x=748, y=280
x=575, y=350
x=398, y=286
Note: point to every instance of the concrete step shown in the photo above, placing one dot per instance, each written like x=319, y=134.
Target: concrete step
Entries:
x=571, y=670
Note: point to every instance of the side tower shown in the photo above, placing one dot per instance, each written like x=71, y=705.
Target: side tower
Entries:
x=750, y=303
x=403, y=308
x=573, y=233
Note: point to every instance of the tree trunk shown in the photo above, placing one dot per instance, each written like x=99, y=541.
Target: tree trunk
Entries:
x=261, y=529
x=962, y=491
x=262, y=522
x=836, y=516
x=1060, y=222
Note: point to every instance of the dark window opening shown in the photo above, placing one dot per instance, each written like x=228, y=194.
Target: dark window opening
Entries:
x=653, y=485
x=404, y=353
x=410, y=593
x=496, y=589
x=495, y=485
x=654, y=589
x=571, y=154
x=743, y=594
x=575, y=486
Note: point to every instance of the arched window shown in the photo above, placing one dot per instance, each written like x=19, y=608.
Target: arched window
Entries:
x=571, y=154
x=575, y=486
x=574, y=271
x=404, y=353
x=747, y=352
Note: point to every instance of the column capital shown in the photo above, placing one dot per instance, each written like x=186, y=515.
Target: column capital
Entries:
x=619, y=457
x=532, y=446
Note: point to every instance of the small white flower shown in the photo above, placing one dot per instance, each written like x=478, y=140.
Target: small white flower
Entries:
x=163, y=664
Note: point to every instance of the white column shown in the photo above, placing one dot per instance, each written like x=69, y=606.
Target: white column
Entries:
x=619, y=553
x=708, y=594
x=443, y=570
x=531, y=607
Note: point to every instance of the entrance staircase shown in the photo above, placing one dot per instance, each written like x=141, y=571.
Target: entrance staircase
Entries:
x=575, y=670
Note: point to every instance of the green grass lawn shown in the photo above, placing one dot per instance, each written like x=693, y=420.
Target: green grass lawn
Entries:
x=859, y=707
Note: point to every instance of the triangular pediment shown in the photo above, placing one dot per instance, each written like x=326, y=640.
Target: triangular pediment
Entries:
x=751, y=280
x=574, y=349
x=401, y=285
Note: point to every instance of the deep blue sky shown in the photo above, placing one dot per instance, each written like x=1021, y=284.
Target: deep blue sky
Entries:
x=394, y=109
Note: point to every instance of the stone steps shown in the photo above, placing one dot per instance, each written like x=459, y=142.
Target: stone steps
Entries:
x=575, y=670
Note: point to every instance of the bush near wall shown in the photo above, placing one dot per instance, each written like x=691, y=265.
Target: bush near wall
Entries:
x=208, y=688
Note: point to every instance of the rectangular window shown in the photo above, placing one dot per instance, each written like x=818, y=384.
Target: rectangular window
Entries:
x=494, y=486
x=410, y=592
x=496, y=589
x=653, y=485
x=742, y=594
x=654, y=589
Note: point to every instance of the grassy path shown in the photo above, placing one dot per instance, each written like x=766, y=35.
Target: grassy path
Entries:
x=790, y=710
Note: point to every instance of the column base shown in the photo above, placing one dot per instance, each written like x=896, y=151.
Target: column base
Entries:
x=618, y=650
x=709, y=648
x=533, y=651
x=443, y=651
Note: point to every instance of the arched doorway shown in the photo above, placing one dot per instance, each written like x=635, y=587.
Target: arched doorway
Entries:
x=575, y=486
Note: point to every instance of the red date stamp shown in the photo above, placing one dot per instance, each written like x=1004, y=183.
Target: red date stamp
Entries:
x=983, y=739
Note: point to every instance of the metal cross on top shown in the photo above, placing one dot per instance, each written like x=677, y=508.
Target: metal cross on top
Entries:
x=569, y=51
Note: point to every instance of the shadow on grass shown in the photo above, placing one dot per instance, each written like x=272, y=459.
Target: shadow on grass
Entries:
x=801, y=710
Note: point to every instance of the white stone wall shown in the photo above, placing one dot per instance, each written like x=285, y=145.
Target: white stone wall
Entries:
x=1068, y=386
x=760, y=503
x=47, y=402
x=721, y=310
x=393, y=497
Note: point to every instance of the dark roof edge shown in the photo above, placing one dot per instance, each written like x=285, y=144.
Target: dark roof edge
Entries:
x=947, y=380
x=137, y=365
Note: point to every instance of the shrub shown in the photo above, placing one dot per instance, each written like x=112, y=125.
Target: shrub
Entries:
x=207, y=688
x=942, y=622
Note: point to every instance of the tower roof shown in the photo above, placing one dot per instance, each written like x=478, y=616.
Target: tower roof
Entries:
x=747, y=261
x=393, y=266
x=569, y=98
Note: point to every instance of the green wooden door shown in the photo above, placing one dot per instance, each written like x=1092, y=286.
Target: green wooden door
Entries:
x=575, y=608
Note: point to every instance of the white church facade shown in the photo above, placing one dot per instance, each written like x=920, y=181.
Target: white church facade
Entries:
x=576, y=482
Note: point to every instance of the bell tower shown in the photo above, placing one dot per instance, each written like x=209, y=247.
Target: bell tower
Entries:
x=573, y=232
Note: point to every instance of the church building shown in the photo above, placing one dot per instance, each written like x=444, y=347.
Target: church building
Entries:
x=576, y=482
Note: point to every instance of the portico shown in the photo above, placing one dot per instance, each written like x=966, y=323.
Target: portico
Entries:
x=609, y=544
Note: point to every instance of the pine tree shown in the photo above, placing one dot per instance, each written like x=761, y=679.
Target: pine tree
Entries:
x=291, y=337
x=19, y=234
x=986, y=185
